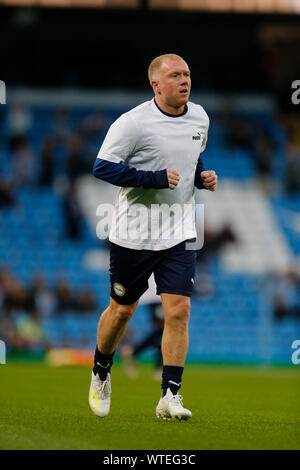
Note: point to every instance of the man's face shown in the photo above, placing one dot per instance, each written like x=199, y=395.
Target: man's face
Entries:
x=174, y=82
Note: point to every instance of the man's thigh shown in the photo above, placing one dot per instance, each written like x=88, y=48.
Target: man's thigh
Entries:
x=174, y=303
x=116, y=306
x=175, y=272
x=129, y=273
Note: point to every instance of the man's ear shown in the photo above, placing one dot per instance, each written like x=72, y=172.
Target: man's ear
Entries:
x=155, y=86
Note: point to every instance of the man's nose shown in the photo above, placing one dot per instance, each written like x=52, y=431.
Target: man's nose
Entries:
x=184, y=80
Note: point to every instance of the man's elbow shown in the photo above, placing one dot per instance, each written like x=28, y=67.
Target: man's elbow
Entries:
x=96, y=168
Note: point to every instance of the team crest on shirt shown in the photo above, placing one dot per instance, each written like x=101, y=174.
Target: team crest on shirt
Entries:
x=119, y=289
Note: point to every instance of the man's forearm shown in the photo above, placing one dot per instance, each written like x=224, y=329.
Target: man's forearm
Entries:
x=119, y=174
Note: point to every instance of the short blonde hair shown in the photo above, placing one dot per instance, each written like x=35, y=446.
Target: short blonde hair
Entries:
x=156, y=64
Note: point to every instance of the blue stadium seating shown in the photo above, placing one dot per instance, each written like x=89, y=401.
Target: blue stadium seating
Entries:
x=227, y=327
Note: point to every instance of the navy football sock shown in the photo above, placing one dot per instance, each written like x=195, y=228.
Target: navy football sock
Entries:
x=102, y=363
x=171, y=378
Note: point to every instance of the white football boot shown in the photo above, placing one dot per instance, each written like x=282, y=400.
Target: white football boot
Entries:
x=170, y=406
x=99, y=396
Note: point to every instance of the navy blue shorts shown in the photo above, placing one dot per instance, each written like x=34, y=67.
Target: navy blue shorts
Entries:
x=173, y=268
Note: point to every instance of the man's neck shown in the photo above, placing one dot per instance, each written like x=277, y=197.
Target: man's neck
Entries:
x=169, y=109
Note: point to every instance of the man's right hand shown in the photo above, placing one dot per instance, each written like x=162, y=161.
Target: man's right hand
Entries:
x=173, y=178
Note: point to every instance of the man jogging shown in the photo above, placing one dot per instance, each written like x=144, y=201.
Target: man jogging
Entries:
x=153, y=153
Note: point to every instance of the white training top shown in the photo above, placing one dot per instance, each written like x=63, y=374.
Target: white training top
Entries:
x=146, y=138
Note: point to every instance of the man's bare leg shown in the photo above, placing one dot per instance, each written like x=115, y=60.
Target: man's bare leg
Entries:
x=112, y=325
x=175, y=336
x=174, y=349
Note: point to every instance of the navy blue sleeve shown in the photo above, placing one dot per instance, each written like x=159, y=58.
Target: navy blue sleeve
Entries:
x=198, y=180
x=120, y=174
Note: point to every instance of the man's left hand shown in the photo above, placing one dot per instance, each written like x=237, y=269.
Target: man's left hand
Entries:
x=210, y=179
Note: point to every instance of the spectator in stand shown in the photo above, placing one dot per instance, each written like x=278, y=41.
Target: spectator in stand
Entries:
x=285, y=294
x=47, y=161
x=293, y=172
x=6, y=280
x=20, y=325
x=14, y=294
x=86, y=301
x=31, y=332
x=262, y=150
x=74, y=161
x=94, y=125
x=72, y=212
x=38, y=299
x=9, y=333
x=92, y=131
x=19, y=123
x=65, y=298
x=237, y=130
x=43, y=298
x=6, y=194
x=213, y=243
x=292, y=184
x=61, y=125
x=23, y=167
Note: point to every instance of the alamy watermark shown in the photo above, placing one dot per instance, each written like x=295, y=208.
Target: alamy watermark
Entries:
x=2, y=352
x=296, y=353
x=2, y=92
x=152, y=223
x=296, y=94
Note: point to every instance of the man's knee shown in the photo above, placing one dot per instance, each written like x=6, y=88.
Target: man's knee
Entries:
x=179, y=313
x=121, y=313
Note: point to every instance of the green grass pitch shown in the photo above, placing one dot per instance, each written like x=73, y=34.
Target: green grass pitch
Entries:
x=233, y=408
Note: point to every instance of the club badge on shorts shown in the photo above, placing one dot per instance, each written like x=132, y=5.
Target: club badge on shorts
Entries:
x=119, y=289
